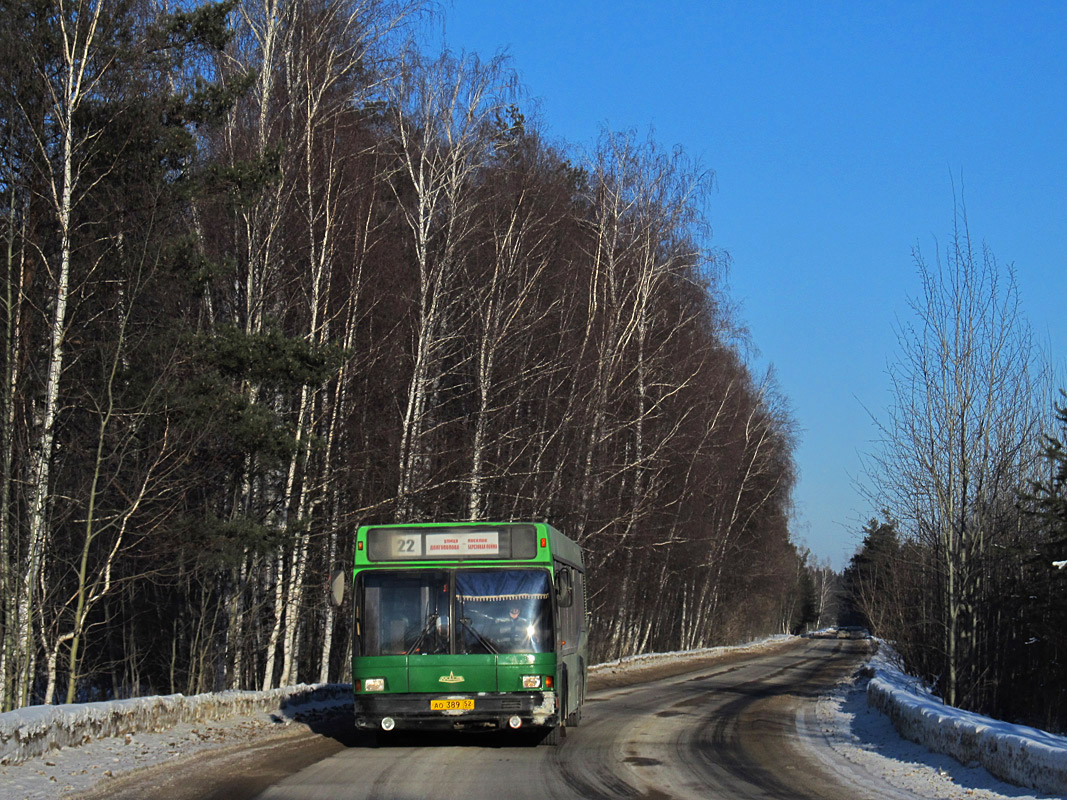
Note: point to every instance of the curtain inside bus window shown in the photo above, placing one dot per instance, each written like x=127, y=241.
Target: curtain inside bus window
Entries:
x=503, y=611
x=405, y=613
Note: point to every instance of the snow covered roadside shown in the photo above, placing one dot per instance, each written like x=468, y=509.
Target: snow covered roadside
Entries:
x=633, y=666
x=37, y=730
x=1015, y=753
x=858, y=742
x=72, y=771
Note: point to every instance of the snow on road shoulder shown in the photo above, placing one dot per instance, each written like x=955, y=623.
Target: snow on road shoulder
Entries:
x=654, y=659
x=1015, y=753
x=859, y=742
x=37, y=730
x=73, y=770
x=64, y=770
x=633, y=668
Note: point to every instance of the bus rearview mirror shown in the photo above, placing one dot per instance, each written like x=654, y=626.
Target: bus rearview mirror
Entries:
x=337, y=587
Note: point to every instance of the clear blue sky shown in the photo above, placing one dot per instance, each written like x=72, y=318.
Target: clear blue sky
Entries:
x=835, y=130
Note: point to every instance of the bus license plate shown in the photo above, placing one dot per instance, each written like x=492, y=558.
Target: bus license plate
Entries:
x=452, y=705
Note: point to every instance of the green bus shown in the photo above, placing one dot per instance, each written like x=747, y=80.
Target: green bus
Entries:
x=468, y=626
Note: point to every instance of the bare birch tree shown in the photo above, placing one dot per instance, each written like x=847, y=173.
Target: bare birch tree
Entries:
x=970, y=400
x=316, y=64
x=68, y=86
x=443, y=111
x=392, y=301
x=332, y=50
x=17, y=152
x=648, y=235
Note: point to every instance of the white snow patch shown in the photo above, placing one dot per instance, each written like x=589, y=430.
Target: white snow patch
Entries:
x=35, y=730
x=139, y=733
x=1016, y=753
x=859, y=743
x=79, y=769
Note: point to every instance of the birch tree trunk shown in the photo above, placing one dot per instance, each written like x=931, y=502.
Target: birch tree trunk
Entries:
x=14, y=303
x=76, y=77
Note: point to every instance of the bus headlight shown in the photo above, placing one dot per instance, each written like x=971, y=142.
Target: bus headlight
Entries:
x=531, y=681
x=374, y=685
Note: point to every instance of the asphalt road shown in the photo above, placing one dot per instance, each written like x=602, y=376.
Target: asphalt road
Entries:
x=721, y=728
x=728, y=730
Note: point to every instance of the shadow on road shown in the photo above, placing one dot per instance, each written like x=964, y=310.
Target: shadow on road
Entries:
x=342, y=730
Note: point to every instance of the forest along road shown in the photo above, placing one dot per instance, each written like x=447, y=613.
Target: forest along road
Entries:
x=724, y=727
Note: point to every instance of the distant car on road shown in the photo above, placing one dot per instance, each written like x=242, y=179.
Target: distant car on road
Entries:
x=842, y=632
x=853, y=632
x=823, y=633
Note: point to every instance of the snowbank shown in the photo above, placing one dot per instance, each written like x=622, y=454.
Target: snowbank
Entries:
x=635, y=663
x=1014, y=753
x=33, y=731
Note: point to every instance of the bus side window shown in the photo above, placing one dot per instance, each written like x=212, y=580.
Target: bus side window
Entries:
x=579, y=594
x=564, y=587
x=569, y=611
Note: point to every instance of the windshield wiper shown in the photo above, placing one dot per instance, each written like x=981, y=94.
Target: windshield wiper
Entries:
x=482, y=640
x=430, y=622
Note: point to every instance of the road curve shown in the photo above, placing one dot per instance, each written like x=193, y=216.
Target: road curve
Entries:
x=727, y=730
x=724, y=727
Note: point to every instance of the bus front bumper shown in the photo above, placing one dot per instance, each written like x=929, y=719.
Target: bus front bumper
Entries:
x=490, y=710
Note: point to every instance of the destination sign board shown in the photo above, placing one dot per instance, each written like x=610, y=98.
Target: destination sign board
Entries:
x=448, y=543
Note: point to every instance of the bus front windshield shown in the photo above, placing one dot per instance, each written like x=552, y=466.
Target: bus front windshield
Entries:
x=462, y=611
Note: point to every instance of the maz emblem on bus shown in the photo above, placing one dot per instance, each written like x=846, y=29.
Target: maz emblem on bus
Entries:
x=451, y=678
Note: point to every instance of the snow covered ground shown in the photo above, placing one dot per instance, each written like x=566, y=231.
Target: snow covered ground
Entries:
x=244, y=718
x=847, y=735
x=857, y=741
x=77, y=769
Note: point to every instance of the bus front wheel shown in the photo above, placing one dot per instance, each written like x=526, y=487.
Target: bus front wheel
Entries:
x=575, y=717
x=554, y=737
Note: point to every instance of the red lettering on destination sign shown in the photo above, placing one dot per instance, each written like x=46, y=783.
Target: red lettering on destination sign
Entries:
x=460, y=544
